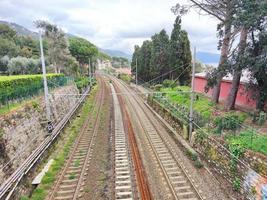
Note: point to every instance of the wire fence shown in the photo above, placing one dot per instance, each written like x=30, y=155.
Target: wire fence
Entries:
x=226, y=162
x=26, y=89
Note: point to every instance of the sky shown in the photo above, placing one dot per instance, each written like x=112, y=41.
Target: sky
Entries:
x=113, y=24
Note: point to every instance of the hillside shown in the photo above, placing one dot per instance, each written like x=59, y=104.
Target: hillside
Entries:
x=26, y=32
x=20, y=29
x=116, y=53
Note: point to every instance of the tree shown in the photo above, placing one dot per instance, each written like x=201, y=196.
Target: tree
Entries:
x=160, y=54
x=224, y=12
x=118, y=62
x=3, y=64
x=145, y=61
x=22, y=65
x=7, y=41
x=57, y=44
x=135, y=58
x=8, y=47
x=29, y=47
x=82, y=49
x=180, y=53
x=7, y=32
x=256, y=59
x=249, y=14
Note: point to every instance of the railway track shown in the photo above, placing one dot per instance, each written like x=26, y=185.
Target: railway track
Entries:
x=123, y=175
x=9, y=186
x=178, y=180
x=69, y=184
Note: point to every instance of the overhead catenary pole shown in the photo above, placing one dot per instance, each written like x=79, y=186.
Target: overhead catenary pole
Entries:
x=47, y=103
x=191, y=117
x=90, y=72
x=136, y=81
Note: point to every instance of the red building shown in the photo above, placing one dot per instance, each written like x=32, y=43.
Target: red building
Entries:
x=244, y=98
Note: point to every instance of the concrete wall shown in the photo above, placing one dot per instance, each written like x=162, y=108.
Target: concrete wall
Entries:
x=244, y=98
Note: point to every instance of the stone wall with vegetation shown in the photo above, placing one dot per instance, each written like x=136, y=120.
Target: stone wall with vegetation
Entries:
x=243, y=169
x=24, y=129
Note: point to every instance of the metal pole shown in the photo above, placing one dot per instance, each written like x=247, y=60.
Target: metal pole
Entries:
x=90, y=73
x=191, y=117
x=47, y=104
x=136, y=82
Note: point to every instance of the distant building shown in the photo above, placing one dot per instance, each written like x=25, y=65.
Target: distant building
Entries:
x=124, y=71
x=244, y=97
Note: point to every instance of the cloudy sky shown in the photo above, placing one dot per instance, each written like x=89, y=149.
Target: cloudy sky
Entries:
x=112, y=24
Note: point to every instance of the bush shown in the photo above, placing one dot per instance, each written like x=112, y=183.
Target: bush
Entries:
x=169, y=83
x=82, y=82
x=23, y=86
x=158, y=87
x=125, y=77
x=229, y=121
x=262, y=118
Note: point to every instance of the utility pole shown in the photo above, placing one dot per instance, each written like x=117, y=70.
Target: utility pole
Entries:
x=47, y=103
x=136, y=81
x=191, y=117
x=90, y=73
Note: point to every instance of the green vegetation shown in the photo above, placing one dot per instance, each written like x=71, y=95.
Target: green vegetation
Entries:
x=120, y=62
x=82, y=82
x=164, y=57
x=250, y=140
x=125, y=77
x=24, y=86
x=67, y=55
x=181, y=96
x=230, y=122
x=14, y=106
x=73, y=130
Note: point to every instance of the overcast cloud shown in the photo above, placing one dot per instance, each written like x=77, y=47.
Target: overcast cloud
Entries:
x=112, y=24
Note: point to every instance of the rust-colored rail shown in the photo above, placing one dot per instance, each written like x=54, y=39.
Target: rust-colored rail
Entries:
x=141, y=176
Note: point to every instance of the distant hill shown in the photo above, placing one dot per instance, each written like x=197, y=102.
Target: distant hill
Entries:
x=26, y=32
x=116, y=53
x=208, y=58
x=20, y=29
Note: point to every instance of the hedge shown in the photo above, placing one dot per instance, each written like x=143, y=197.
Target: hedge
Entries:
x=23, y=86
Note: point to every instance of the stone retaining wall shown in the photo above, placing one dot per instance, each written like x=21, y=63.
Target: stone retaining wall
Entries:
x=21, y=131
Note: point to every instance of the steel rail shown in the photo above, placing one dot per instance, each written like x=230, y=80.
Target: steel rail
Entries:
x=141, y=176
x=164, y=141
x=9, y=186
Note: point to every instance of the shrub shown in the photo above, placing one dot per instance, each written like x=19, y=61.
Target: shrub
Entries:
x=168, y=83
x=236, y=184
x=198, y=164
x=229, y=121
x=82, y=82
x=125, y=77
x=262, y=118
x=158, y=87
x=23, y=86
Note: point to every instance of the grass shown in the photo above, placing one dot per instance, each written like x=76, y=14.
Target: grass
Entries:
x=73, y=129
x=181, y=96
x=251, y=141
x=15, y=106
